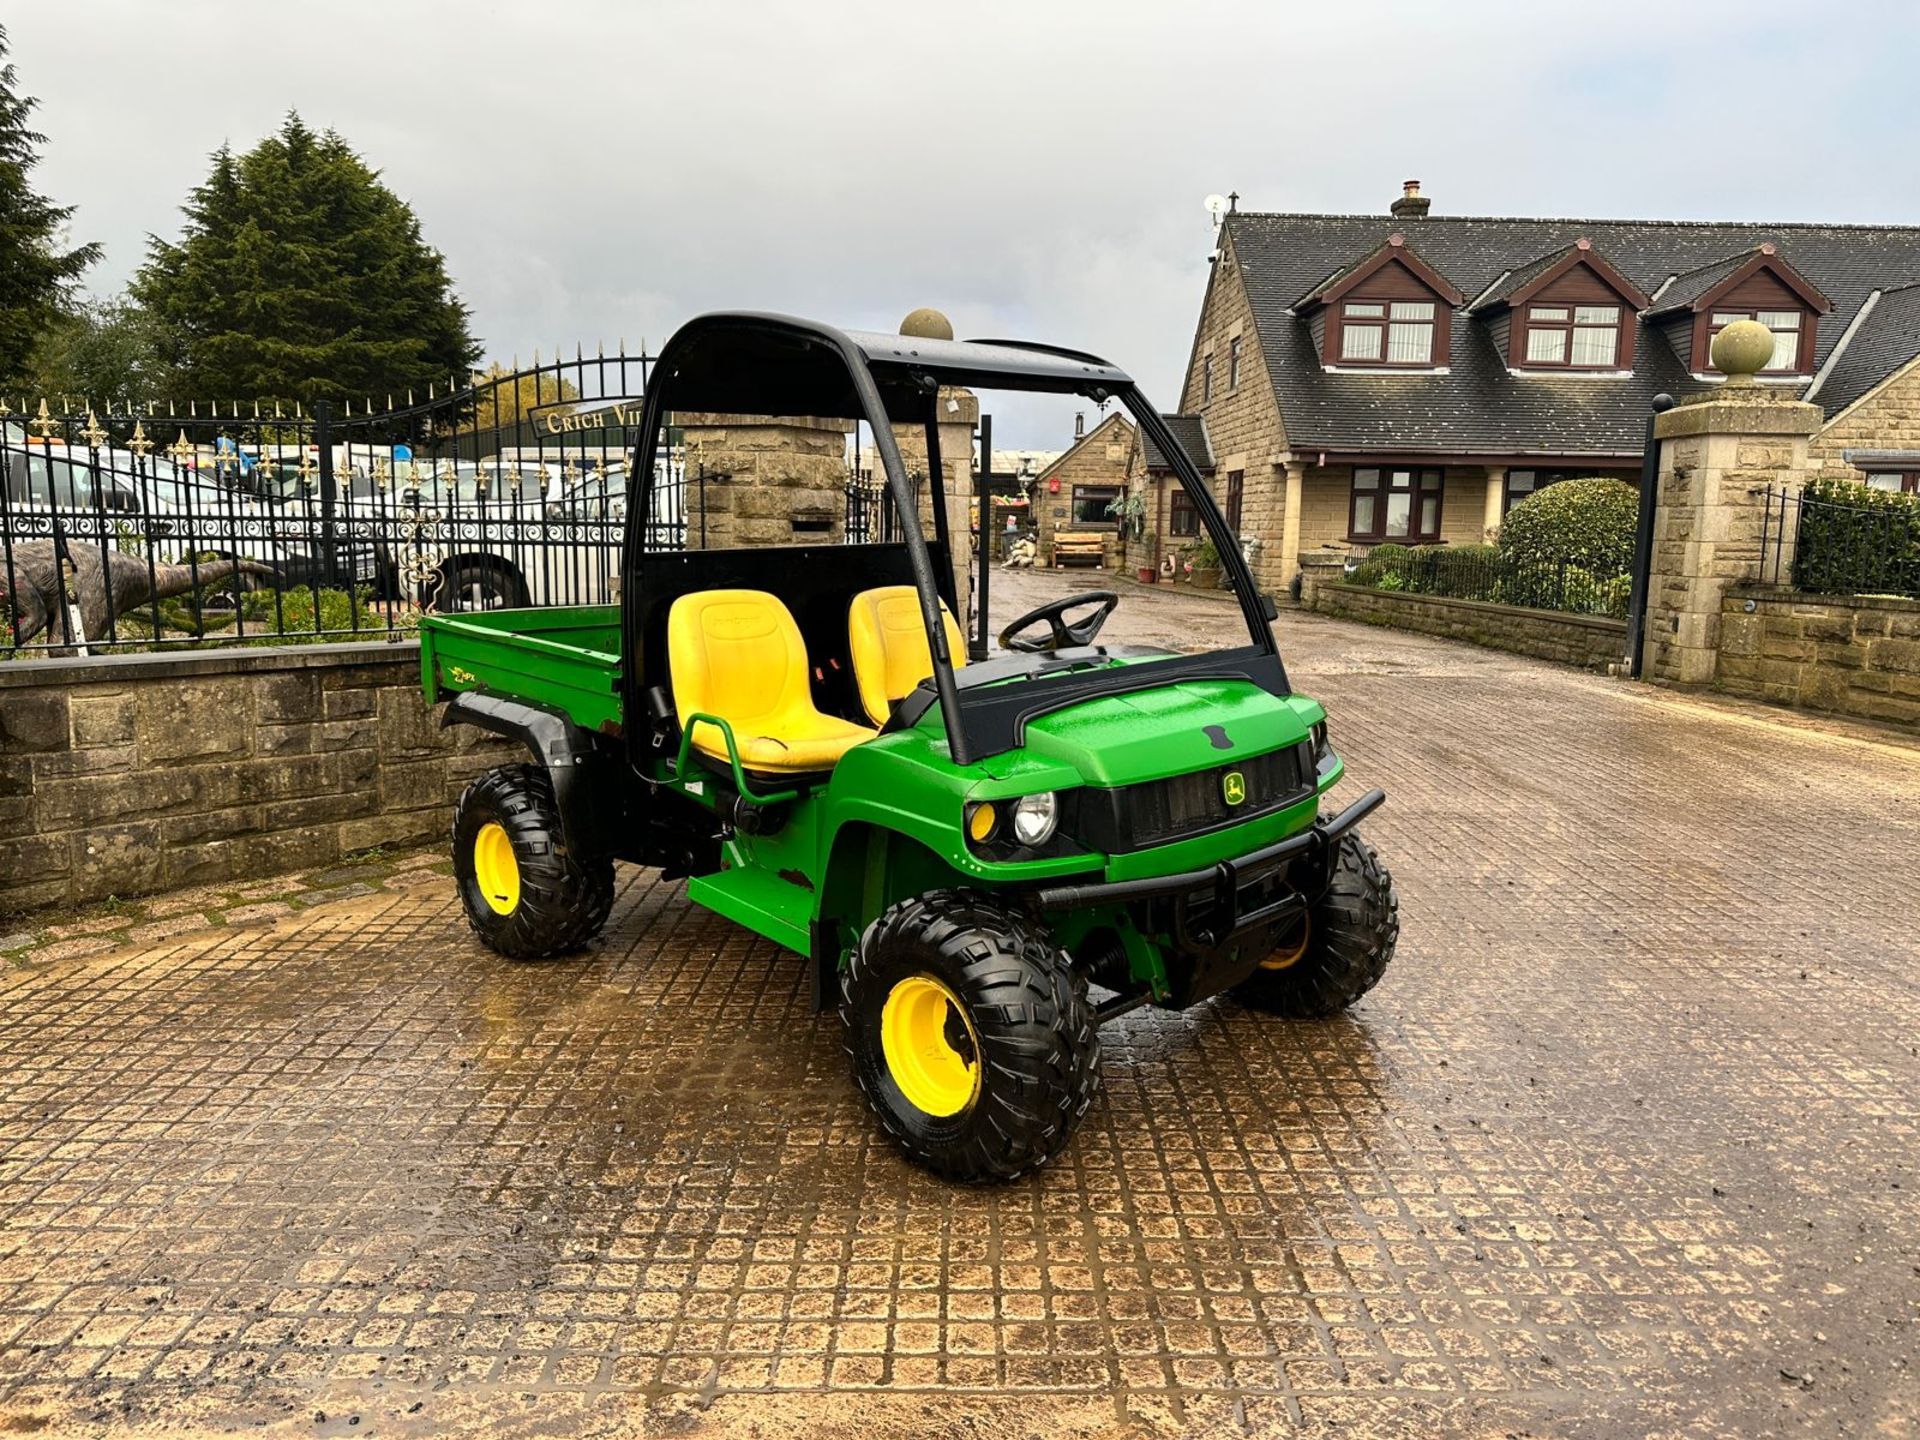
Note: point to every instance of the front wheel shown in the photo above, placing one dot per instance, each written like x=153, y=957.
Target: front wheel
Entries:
x=971, y=1036
x=525, y=894
x=1339, y=949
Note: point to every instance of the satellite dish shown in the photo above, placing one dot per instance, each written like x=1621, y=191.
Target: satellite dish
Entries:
x=1216, y=207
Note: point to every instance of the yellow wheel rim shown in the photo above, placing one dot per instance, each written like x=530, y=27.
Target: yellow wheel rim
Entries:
x=930, y=1047
x=495, y=870
x=1290, y=952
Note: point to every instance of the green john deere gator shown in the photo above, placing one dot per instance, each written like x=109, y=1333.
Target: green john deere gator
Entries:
x=960, y=848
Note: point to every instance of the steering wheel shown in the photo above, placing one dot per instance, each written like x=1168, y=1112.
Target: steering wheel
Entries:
x=1061, y=633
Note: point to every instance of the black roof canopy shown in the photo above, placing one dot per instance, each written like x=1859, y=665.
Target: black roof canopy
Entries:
x=749, y=363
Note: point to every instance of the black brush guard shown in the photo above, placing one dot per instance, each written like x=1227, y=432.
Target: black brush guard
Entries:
x=1209, y=910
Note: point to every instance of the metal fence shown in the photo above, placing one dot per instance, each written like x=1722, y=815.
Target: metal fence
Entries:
x=1832, y=542
x=1481, y=573
x=155, y=526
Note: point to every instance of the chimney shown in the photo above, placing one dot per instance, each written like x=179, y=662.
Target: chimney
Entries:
x=1411, y=205
x=1079, y=424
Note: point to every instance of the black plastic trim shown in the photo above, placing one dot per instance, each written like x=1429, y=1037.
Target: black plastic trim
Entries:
x=586, y=773
x=1312, y=841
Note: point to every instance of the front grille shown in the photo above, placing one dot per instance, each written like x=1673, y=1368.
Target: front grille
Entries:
x=1155, y=812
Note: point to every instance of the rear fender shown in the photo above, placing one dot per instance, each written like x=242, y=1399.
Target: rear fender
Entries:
x=585, y=770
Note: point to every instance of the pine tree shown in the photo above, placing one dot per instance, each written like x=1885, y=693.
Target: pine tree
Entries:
x=300, y=276
x=36, y=273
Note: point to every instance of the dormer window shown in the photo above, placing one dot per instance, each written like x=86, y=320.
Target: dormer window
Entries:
x=1787, y=327
x=1391, y=309
x=1387, y=332
x=1570, y=309
x=1757, y=284
x=1573, y=337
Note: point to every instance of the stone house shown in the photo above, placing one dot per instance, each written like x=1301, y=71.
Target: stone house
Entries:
x=1072, y=494
x=1410, y=376
x=1170, y=523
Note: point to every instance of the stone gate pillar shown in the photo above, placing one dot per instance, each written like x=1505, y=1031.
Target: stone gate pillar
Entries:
x=1719, y=455
x=959, y=412
x=764, y=480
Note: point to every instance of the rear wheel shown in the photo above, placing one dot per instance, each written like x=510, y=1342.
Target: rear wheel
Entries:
x=970, y=1034
x=480, y=585
x=525, y=895
x=1340, y=947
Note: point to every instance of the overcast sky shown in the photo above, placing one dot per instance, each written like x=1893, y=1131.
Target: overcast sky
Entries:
x=604, y=168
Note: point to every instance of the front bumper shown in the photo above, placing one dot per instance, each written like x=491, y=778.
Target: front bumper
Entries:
x=1217, y=922
x=1223, y=878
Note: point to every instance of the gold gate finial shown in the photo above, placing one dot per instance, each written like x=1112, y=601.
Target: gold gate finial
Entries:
x=95, y=433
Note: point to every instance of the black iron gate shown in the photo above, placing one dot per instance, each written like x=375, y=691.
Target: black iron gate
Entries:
x=127, y=526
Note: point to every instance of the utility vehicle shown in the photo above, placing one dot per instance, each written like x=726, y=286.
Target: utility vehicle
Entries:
x=959, y=847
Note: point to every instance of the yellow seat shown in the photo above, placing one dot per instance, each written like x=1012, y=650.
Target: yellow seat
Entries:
x=737, y=654
x=888, y=640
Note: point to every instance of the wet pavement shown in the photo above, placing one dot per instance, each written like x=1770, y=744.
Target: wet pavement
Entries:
x=1624, y=1144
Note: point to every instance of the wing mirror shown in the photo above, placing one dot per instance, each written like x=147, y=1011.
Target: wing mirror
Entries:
x=1269, y=608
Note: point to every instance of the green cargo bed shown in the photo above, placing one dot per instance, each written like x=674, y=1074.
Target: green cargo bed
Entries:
x=567, y=657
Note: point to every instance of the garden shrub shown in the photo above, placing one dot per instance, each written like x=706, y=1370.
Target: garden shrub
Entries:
x=294, y=614
x=1588, y=523
x=1381, y=561
x=1857, y=541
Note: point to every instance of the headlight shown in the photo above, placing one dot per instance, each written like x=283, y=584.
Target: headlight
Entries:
x=1034, y=818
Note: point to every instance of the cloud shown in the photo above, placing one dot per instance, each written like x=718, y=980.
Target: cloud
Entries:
x=604, y=169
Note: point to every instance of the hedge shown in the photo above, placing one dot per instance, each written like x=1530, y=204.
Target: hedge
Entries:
x=1588, y=523
x=1857, y=541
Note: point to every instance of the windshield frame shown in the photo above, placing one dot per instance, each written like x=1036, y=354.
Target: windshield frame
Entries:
x=980, y=719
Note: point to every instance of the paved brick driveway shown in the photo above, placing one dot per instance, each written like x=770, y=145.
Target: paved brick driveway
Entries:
x=1625, y=1143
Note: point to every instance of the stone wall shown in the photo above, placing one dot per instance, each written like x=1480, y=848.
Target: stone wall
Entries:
x=1884, y=419
x=1848, y=655
x=131, y=774
x=1101, y=457
x=1243, y=421
x=1592, y=642
x=756, y=480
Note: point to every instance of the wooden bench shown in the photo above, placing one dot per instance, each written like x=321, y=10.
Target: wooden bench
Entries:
x=1079, y=547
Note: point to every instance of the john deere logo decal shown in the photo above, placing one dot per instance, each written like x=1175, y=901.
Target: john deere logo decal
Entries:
x=1233, y=785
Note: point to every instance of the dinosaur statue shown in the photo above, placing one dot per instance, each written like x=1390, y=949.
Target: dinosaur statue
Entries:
x=30, y=586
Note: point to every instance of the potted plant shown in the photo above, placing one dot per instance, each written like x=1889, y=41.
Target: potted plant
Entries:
x=1202, y=564
x=1147, y=571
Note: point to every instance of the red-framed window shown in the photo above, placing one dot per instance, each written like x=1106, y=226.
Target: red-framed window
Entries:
x=1396, y=504
x=1182, y=517
x=1571, y=337
x=1387, y=332
x=1790, y=330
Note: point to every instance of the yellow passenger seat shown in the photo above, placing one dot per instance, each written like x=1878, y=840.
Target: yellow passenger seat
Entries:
x=738, y=654
x=888, y=640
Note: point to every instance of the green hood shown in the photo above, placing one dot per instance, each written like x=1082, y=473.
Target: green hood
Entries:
x=1169, y=730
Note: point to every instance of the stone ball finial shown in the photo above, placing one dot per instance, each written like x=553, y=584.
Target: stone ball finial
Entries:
x=1742, y=350
x=927, y=324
